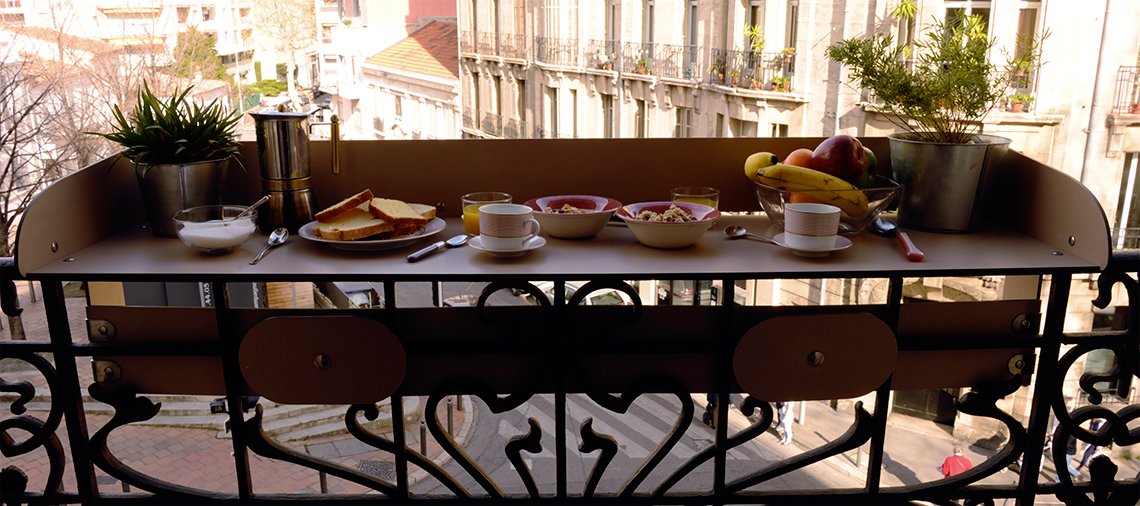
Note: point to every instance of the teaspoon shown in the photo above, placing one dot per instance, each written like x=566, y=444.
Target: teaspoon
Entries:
x=737, y=232
x=277, y=238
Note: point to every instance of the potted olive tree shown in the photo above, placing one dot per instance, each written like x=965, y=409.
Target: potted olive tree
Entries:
x=941, y=156
x=180, y=150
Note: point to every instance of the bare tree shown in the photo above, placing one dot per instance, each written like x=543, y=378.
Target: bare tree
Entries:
x=290, y=26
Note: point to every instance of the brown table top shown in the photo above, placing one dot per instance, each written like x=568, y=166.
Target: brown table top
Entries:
x=136, y=255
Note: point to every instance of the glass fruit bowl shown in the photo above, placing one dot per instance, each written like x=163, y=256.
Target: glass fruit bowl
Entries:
x=215, y=229
x=879, y=195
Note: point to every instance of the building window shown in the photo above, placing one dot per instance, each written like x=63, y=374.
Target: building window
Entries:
x=207, y=13
x=684, y=126
x=647, y=26
x=779, y=130
x=574, y=113
x=183, y=14
x=552, y=112
x=1127, y=232
x=791, y=26
x=972, y=14
x=398, y=106
x=640, y=119
x=607, y=116
x=520, y=104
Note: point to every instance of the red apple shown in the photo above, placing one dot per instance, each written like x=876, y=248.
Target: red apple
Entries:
x=841, y=156
x=800, y=158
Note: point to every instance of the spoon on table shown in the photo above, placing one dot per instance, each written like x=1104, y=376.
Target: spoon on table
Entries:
x=277, y=238
x=453, y=242
x=889, y=228
x=251, y=207
x=737, y=232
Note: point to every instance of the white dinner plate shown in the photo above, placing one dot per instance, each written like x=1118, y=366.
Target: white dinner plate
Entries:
x=433, y=227
x=533, y=243
x=840, y=243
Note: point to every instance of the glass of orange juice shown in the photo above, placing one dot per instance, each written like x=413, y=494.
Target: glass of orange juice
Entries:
x=471, y=204
x=697, y=195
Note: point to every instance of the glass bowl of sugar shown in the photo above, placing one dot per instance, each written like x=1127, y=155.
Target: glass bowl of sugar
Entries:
x=215, y=229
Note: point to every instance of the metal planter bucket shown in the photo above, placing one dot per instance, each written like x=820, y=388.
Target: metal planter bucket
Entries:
x=169, y=188
x=943, y=182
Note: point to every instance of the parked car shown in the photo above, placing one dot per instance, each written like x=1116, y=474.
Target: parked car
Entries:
x=603, y=297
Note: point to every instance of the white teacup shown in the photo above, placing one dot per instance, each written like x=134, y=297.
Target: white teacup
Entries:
x=810, y=226
x=506, y=227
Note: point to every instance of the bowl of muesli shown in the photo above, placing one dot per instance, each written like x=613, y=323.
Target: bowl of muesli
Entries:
x=573, y=216
x=668, y=224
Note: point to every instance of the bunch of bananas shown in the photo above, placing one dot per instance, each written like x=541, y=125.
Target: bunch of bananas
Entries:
x=764, y=168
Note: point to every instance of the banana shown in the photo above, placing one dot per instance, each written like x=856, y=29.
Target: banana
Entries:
x=757, y=161
x=814, y=184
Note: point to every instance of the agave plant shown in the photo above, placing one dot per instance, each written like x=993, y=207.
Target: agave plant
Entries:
x=173, y=131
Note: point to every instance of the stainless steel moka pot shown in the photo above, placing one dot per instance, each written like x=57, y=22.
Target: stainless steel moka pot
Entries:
x=283, y=150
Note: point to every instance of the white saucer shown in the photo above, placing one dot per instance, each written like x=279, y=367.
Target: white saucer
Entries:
x=533, y=243
x=840, y=243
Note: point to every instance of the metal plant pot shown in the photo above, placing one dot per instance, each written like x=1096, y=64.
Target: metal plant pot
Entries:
x=169, y=188
x=943, y=183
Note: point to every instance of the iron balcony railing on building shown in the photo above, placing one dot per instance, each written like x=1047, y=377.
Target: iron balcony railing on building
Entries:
x=638, y=58
x=492, y=124
x=675, y=61
x=758, y=71
x=602, y=54
x=517, y=129
x=1127, y=99
x=468, y=118
x=488, y=43
x=467, y=42
x=512, y=45
x=556, y=51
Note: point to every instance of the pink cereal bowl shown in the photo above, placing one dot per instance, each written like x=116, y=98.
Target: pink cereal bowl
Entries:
x=668, y=235
x=594, y=213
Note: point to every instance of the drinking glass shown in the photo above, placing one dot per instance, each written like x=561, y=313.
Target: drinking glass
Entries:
x=471, y=204
x=697, y=195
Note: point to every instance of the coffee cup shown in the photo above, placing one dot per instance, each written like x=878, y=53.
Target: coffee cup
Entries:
x=506, y=227
x=811, y=226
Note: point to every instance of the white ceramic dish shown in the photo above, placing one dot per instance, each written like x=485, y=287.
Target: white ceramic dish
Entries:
x=433, y=227
x=534, y=243
x=596, y=213
x=841, y=243
x=668, y=235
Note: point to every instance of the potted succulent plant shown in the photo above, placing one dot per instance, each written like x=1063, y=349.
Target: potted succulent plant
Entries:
x=939, y=104
x=180, y=151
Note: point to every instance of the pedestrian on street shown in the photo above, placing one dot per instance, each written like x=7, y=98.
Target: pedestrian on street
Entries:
x=1090, y=449
x=955, y=464
x=1070, y=455
x=784, y=412
x=710, y=406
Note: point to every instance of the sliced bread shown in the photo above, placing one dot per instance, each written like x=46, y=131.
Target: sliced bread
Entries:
x=344, y=206
x=425, y=210
x=396, y=212
x=352, y=225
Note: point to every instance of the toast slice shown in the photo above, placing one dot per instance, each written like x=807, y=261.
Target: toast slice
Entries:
x=396, y=212
x=352, y=225
x=344, y=206
x=425, y=210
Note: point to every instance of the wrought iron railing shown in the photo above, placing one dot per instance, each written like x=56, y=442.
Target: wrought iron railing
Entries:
x=468, y=118
x=495, y=361
x=492, y=124
x=467, y=41
x=602, y=54
x=638, y=58
x=1127, y=99
x=488, y=43
x=676, y=61
x=512, y=45
x=760, y=71
x=517, y=129
x=556, y=51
